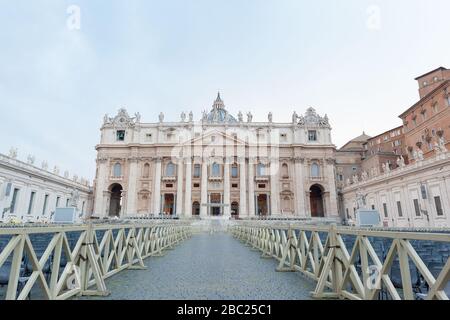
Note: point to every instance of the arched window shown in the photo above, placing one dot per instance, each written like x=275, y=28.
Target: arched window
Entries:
x=261, y=169
x=285, y=170
x=215, y=170
x=117, y=170
x=146, y=171
x=170, y=170
x=315, y=170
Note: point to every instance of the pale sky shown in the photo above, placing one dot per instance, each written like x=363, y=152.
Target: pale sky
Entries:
x=340, y=57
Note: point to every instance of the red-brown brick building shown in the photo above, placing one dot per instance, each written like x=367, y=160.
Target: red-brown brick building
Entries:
x=429, y=118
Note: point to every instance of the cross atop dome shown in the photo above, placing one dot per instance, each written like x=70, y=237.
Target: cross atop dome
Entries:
x=218, y=104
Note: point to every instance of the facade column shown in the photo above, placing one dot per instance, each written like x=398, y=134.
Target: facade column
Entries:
x=204, y=190
x=131, y=194
x=100, y=209
x=333, y=208
x=226, y=188
x=179, y=208
x=157, y=188
x=274, y=187
x=251, y=188
x=188, y=192
x=243, y=188
x=299, y=188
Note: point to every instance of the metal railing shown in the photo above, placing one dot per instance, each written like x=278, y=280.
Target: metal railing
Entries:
x=76, y=259
x=363, y=273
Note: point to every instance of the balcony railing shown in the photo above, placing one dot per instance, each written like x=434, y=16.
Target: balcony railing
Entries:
x=262, y=178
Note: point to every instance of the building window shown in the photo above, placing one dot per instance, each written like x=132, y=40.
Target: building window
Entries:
x=416, y=207
x=30, y=205
x=315, y=170
x=285, y=171
x=14, y=200
x=196, y=185
x=283, y=137
x=146, y=171
x=44, y=207
x=399, y=209
x=215, y=170
x=234, y=185
x=58, y=199
x=196, y=171
x=82, y=207
x=117, y=170
x=148, y=137
x=437, y=202
x=346, y=212
x=261, y=170
x=234, y=171
x=67, y=202
x=170, y=170
x=385, y=210
x=120, y=135
x=312, y=135
x=435, y=108
x=261, y=186
x=169, y=185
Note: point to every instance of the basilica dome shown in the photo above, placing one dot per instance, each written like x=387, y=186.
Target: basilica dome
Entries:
x=218, y=114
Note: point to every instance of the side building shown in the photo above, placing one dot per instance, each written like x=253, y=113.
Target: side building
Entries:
x=404, y=173
x=31, y=194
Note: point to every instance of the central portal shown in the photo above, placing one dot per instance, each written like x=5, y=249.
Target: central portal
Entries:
x=216, y=201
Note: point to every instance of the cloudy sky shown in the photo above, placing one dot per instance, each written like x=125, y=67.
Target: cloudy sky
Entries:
x=352, y=59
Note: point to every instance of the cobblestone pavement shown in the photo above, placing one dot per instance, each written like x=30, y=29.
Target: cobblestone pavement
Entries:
x=209, y=266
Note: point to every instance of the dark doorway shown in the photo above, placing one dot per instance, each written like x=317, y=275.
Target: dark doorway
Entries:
x=168, y=203
x=316, y=200
x=263, y=209
x=235, y=209
x=115, y=202
x=196, y=208
x=216, y=199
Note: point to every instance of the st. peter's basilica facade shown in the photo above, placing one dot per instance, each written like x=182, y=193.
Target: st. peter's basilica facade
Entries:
x=220, y=165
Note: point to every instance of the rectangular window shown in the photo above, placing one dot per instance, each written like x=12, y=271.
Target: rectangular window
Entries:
x=57, y=201
x=437, y=202
x=120, y=135
x=196, y=171
x=385, y=210
x=196, y=185
x=169, y=185
x=346, y=211
x=30, y=205
x=261, y=186
x=399, y=209
x=416, y=207
x=148, y=136
x=67, y=202
x=44, y=208
x=312, y=135
x=14, y=200
x=82, y=207
x=234, y=185
x=373, y=207
x=234, y=171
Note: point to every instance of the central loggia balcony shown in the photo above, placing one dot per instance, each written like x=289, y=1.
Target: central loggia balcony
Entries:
x=317, y=179
x=215, y=178
x=262, y=178
x=169, y=178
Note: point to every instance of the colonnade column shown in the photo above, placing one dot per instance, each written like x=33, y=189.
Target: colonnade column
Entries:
x=226, y=188
x=179, y=208
x=243, y=188
x=204, y=190
x=251, y=187
x=188, y=193
x=157, y=188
